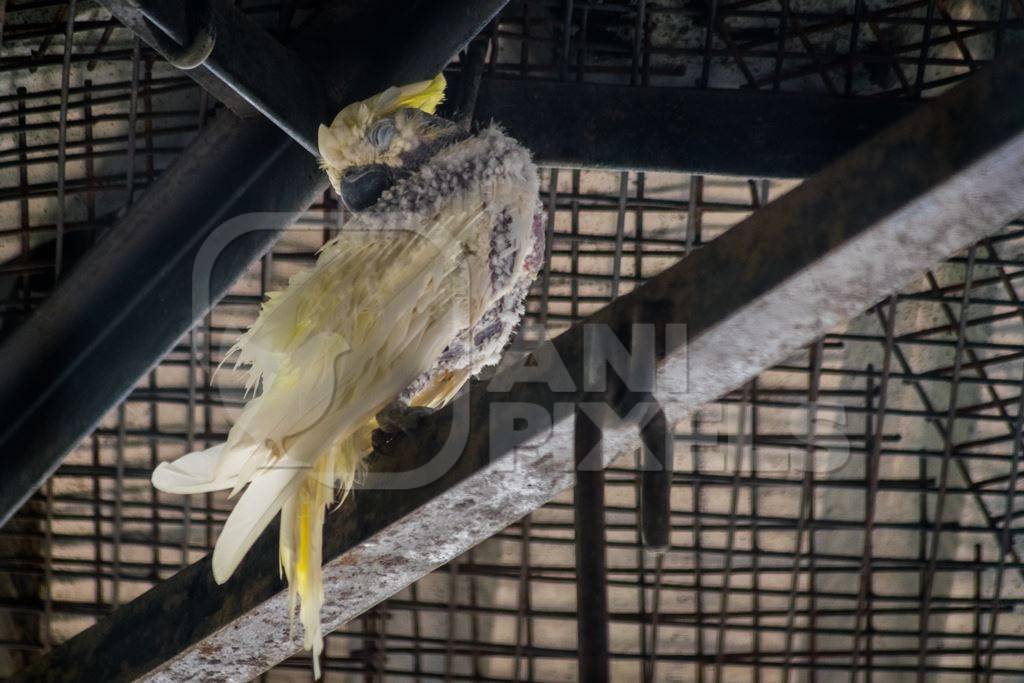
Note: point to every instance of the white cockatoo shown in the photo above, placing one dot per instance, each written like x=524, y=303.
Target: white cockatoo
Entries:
x=421, y=289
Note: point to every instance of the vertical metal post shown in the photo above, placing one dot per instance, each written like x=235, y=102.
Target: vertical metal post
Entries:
x=473, y=61
x=591, y=542
x=656, y=482
x=23, y=208
x=62, y=140
x=655, y=435
x=591, y=562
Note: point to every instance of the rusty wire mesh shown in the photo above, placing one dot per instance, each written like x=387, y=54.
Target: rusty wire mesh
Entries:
x=818, y=511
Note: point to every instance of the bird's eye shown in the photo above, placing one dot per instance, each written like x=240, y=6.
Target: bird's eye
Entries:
x=381, y=134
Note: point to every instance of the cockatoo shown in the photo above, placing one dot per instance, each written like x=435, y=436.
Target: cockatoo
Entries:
x=421, y=289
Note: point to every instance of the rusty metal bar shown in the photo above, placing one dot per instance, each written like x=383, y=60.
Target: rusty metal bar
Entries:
x=944, y=177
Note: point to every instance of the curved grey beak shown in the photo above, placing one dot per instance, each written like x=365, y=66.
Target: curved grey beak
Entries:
x=362, y=186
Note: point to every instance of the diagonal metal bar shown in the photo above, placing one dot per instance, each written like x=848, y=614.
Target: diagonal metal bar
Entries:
x=939, y=180
x=138, y=283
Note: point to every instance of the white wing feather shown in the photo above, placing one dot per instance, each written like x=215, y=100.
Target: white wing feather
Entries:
x=330, y=352
x=264, y=497
x=194, y=473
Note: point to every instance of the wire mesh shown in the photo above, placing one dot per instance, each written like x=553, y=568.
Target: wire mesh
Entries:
x=852, y=509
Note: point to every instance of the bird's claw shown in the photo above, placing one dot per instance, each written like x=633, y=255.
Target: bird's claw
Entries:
x=399, y=417
x=394, y=421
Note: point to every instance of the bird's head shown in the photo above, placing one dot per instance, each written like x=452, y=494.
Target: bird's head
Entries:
x=381, y=130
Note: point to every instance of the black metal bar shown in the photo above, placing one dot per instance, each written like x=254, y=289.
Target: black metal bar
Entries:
x=589, y=519
x=656, y=438
x=746, y=133
x=469, y=82
x=656, y=482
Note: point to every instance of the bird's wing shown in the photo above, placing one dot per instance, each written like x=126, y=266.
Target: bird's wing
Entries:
x=368, y=321
x=370, y=301
x=348, y=337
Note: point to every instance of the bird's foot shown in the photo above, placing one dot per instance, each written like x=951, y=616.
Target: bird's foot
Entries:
x=395, y=420
x=399, y=417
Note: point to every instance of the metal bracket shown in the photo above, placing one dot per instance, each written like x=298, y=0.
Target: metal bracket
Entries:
x=654, y=504
x=473, y=62
x=202, y=36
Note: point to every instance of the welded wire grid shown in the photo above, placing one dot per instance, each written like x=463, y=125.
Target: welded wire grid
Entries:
x=846, y=511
